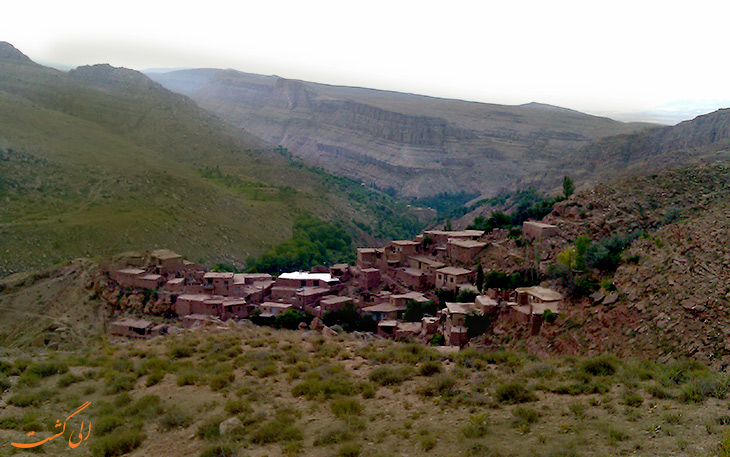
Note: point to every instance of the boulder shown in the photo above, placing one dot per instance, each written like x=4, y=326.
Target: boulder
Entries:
x=229, y=426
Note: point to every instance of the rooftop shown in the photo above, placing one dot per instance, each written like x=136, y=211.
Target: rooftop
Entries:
x=218, y=275
x=150, y=277
x=485, y=300
x=307, y=291
x=427, y=260
x=165, y=254
x=131, y=271
x=461, y=308
x=466, y=243
x=405, y=243
x=417, y=296
x=335, y=300
x=383, y=308
x=542, y=293
x=456, y=233
x=133, y=323
x=454, y=271
x=538, y=224
x=304, y=275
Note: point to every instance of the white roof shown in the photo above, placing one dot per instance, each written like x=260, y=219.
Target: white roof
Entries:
x=304, y=275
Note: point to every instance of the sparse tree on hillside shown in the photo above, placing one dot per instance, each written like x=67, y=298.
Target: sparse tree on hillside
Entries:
x=568, y=186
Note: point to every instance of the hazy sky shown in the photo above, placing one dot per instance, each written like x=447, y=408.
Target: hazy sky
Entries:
x=587, y=55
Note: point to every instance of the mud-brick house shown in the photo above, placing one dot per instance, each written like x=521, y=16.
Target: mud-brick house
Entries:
x=218, y=283
x=539, y=299
x=254, y=287
x=454, y=322
x=368, y=278
x=127, y=277
x=340, y=271
x=463, y=251
x=149, y=281
x=271, y=309
x=441, y=237
x=428, y=266
x=407, y=331
x=448, y=278
x=398, y=252
x=309, y=297
x=191, y=304
x=136, y=328
x=237, y=308
x=386, y=328
x=385, y=311
x=175, y=285
x=167, y=261
x=327, y=304
x=486, y=305
x=369, y=258
x=401, y=300
x=538, y=230
x=412, y=278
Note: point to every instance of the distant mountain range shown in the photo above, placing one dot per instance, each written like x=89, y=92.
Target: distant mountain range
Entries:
x=412, y=145
x=102, y=160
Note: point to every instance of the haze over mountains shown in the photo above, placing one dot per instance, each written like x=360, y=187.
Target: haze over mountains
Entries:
x=415, y=145
x=102, y=160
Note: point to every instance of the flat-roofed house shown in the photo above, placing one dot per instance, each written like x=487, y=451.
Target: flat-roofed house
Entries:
x=427, y=265
x=385, y=311
x=237, y=308
x=218, y=283
x=402, y=299
x=369, y=257
x=455, y=330
x=369, y=278
x=327, y=304
x=412, y=278
x=127, y=277
x=190, y=304
x=399, y=250
x=486, y=304
x=149, y=281
x=309, y=297
x=271, y=309
x=167, y=261
x=448, y=278
x=538, y=230
x=464, y=250
x=540, y=299
x=441, y=237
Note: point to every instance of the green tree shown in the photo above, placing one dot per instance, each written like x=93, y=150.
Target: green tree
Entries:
x=480, y=278
x=568, y=186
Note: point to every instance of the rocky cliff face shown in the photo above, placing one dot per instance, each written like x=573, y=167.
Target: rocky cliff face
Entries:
x=413, y=144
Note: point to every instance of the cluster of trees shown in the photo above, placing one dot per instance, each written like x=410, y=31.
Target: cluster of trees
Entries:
x=528, y=204
x=575, y=264
x=350, y=320
x=314, y=242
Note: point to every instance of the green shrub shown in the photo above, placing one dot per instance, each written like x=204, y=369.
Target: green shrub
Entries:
x=116, y=382
x=477, y=426
x=703, y=387
x=106, y=424
x=188, y=378
x=427, y=442
x=276, y=431
x=333, y=437
x=343, y=407
x=327, y=380
x=632, y=399
x=615, y=435
x=443, y=385
x=430, y=369
x=659, y=392
x=349, y=450
x=367, y=389
x=210, y=428
x=219, y=450
x=46, y=369
x=236, y=406
x=68, y=379
x=387, y=376
x=154, y=377
x=221, y=380
x=119, y=442
x=145, y=407
x=513, y=392
x=602, y=365
x=25, y=398
x=180, y=351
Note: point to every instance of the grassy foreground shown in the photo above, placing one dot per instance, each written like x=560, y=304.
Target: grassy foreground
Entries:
x=297, y=393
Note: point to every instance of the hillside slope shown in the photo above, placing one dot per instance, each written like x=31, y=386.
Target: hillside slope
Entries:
x=412, y=144
x=103, y=160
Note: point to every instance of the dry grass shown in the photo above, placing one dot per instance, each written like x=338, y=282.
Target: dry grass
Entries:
x=476, y=404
